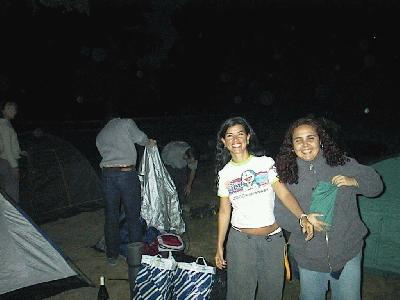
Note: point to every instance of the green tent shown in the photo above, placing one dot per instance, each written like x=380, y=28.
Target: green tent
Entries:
x=382, y=217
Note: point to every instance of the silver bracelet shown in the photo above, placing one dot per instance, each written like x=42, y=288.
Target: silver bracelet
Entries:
x=300, y=221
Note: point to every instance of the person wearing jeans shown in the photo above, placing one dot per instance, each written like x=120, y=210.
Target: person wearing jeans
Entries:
x=314, y=284
x=246, y=182
x=116, y=145
x=325, y=180
x=121, y=185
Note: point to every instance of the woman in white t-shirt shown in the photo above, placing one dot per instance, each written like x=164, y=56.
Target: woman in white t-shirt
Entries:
x=247, y=182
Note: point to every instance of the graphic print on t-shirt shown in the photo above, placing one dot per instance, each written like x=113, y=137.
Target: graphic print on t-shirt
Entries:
x=248, y=183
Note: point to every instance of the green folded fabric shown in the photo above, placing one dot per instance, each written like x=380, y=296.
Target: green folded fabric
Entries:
x=323, y=200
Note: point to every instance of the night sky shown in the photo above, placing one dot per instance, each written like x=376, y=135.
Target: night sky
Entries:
x=212, y=58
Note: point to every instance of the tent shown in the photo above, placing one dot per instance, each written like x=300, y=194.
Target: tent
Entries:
x=32, y=266
x=382, y=217
x=57, y=180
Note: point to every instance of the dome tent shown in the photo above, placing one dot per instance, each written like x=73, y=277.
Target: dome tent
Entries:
x=32, y=265
x=382, y=217
x=56, y=179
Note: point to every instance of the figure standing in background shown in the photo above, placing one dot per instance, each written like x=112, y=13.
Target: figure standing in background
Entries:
x=116, y=143
x=10, y=151
x=181, y=161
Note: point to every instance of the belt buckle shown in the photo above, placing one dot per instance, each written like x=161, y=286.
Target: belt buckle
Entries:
x=125, y=169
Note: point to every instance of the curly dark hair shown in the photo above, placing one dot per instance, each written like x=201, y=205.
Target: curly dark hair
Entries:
x=222, y=155
x=286, y=164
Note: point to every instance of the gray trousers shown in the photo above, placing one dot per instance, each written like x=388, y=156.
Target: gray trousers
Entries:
x=9, y=183
x=255, y=266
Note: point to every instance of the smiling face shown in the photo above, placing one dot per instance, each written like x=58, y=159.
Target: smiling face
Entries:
x=236, y=140
x=306, y=143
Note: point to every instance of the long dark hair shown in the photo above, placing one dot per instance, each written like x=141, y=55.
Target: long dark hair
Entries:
x=286, y=164
x=222, y=155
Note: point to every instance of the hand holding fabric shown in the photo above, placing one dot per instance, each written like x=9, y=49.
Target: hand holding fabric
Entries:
x=307, y=228
x=151, y=143
x=341, y=180
x=317, y=223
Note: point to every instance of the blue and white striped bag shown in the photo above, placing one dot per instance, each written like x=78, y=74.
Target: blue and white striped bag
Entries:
x=154, y=280
x=193, y=280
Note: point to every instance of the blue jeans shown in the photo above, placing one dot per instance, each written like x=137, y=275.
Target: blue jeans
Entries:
x=121, y=186
x=314, y=285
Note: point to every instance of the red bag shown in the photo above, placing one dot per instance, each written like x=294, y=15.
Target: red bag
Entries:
x=170, y=242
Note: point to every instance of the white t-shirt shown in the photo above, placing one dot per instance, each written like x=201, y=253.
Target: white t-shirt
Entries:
x=248, y=185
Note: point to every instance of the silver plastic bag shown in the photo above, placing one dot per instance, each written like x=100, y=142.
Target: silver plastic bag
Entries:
x=160, y=204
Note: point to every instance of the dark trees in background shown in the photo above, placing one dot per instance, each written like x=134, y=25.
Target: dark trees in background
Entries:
x=212, y=55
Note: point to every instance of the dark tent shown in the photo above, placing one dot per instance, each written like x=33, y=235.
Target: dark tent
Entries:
x=32, y=266
x=382, y=217
x=56, y=179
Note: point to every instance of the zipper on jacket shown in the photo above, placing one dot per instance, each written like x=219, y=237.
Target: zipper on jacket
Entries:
x=327, y=247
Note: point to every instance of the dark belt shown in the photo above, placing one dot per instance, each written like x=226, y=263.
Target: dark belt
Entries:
x=122, y=169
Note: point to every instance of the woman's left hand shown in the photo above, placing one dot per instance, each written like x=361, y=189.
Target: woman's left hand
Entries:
x=318, y=224
x=307, y=228
x=341, y=180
